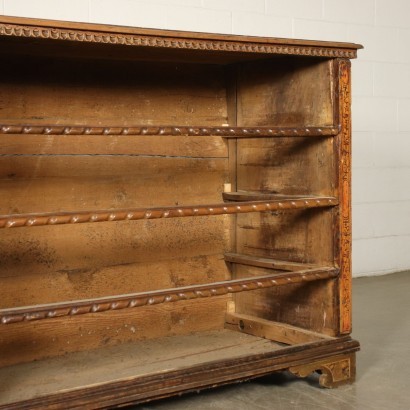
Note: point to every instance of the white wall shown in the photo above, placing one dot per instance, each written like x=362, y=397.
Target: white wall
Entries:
x=381, y=88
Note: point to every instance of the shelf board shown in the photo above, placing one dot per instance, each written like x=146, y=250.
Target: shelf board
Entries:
x=135, y=372
x=143, y=358
x=262, y=196
x=267, y=263
x=97, y=305
x=268, y=329
x=223, y=131
x=132, y=214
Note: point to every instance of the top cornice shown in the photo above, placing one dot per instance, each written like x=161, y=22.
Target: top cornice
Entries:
x=98, y=33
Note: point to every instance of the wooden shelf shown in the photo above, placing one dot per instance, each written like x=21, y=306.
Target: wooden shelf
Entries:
x=132, y=214
x=263, y=196
x=185, y=360
x=223, y=131
x=143, y=358
x=267, y=263
x=97, y=305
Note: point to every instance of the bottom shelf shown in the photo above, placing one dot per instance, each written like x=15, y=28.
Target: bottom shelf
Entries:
x=152, y=369
x=140, y=359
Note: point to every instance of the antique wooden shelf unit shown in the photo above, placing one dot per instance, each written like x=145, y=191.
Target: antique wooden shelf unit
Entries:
x=176, y=212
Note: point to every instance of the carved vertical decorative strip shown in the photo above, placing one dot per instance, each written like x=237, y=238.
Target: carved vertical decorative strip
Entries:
x=345, y=284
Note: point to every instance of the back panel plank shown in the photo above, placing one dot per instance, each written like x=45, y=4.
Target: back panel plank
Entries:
x=49, y=264
x=301, y=236
x=24, y=342
x=102, y=92
x=298, y=166
x=288, y=166
x=156, y=145
x=75, y=262
x=309, y=306
x=29, y=288
x=298, y=236
x=285, y=92
x=53, y=183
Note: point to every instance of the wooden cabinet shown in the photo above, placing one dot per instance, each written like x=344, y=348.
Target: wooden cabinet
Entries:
x=175, y=212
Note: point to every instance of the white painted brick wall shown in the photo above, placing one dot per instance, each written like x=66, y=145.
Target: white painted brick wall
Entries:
x=381, y=88
x=256, y=24
x=349, y=11
x=312, y=9
x=127, y=12
x=66, y=10
x=256, y=6
x=319, y=30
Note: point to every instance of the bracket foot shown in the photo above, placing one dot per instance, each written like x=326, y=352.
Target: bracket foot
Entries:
x=335, y=371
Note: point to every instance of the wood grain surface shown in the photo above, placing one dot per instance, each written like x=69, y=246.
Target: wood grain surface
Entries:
x=137, y=128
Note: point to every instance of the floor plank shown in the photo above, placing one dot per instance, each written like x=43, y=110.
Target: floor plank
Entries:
x=142, y=358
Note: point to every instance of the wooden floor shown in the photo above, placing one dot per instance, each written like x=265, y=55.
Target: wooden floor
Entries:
x=35, y=379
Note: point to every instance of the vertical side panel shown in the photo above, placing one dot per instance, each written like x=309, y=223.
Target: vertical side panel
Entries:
x=343, y=225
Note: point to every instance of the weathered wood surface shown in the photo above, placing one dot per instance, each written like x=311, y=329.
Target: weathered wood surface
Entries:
x=76, y=183
x=285, y=94
x=111, y=364
x=343, y=223
x=268, y=263
x=34, y=136
x=286, y=166
x=298, y=236
x=215, y=359
x=133, y=214
x=335, y=371
x=27, y=342
x=73, y=26
x=132, y=300
x=85, y=92
x=275, y=331
x=97, y=117
x=110, y=143
x=98, y=41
